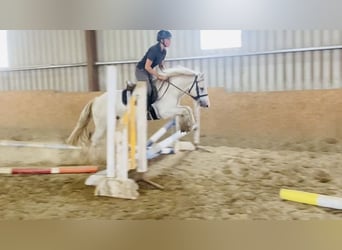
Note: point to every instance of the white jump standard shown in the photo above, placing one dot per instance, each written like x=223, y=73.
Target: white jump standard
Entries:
x=114, y=181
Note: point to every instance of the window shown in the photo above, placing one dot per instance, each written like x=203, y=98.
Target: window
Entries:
x=3, y=49
x=220, y=39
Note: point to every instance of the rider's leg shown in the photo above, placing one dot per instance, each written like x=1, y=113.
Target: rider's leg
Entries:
x=143, y=75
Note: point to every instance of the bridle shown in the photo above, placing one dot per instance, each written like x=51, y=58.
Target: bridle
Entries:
x=188, y=92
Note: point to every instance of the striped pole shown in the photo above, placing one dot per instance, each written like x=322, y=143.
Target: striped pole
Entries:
x=52, y=170
x=169, y=140
x=161, y=147
x=161, y=132
x=311, y=198
x=164, y=151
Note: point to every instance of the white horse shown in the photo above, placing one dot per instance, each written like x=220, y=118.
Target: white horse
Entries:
x=181, y=81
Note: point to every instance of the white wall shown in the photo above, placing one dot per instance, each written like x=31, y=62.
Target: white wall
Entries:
x=269, y=72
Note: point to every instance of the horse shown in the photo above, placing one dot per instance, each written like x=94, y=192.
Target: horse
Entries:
x=181, y=81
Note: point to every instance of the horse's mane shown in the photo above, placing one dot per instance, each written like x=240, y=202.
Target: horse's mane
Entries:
x=178, y=70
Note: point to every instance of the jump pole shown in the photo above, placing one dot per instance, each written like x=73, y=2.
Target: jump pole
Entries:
x=51, y=170
x=311, y=198
x=163, y=146
x=24, y=144
x=160, y=132
x=116, y=182
x=171, y=144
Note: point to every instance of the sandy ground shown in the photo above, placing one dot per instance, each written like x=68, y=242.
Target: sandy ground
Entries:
x=223, y=180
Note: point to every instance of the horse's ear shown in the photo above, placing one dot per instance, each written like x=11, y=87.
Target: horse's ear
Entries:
x=201, y=76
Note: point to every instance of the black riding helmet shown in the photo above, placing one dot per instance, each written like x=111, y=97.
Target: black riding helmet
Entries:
x=163, y=34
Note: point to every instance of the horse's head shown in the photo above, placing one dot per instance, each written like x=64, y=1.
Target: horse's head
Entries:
x=199, y=90
x=191, y=83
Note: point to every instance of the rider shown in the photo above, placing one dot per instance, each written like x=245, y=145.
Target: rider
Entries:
x=154, y=56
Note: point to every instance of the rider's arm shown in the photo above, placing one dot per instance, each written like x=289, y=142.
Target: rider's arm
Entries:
x=150, y=70
x=161, y=65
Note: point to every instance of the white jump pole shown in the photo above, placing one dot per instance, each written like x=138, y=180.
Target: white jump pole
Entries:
x=24, y=144
x=142, y=123
x=111, y=121
x=121, y=154
x=160, y=132
x=162, y=147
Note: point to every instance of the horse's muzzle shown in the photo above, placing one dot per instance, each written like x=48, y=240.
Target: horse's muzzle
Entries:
x=203, y=104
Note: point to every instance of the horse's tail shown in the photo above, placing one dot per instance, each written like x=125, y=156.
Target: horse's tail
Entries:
x=80, y=134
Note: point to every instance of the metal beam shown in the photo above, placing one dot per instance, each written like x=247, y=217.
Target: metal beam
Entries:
x=282, y=51
x=93, y=77
x=257, y=53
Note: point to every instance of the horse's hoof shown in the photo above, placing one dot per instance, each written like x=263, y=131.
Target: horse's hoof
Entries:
x=186, y=129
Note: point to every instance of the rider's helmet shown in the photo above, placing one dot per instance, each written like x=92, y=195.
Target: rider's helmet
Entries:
x=163, y=34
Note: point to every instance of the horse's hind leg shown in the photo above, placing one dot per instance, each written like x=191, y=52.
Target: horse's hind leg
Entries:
x=98, y=134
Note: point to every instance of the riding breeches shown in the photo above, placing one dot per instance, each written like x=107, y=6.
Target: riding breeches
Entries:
x=143, y=75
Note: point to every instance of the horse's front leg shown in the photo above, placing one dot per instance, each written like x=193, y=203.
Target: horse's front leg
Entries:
x=184, y=113
x=186, y=119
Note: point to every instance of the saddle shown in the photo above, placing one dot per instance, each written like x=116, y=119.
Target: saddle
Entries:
x=130, y=86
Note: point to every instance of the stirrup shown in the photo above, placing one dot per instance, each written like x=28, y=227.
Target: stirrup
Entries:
x=149, y=116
